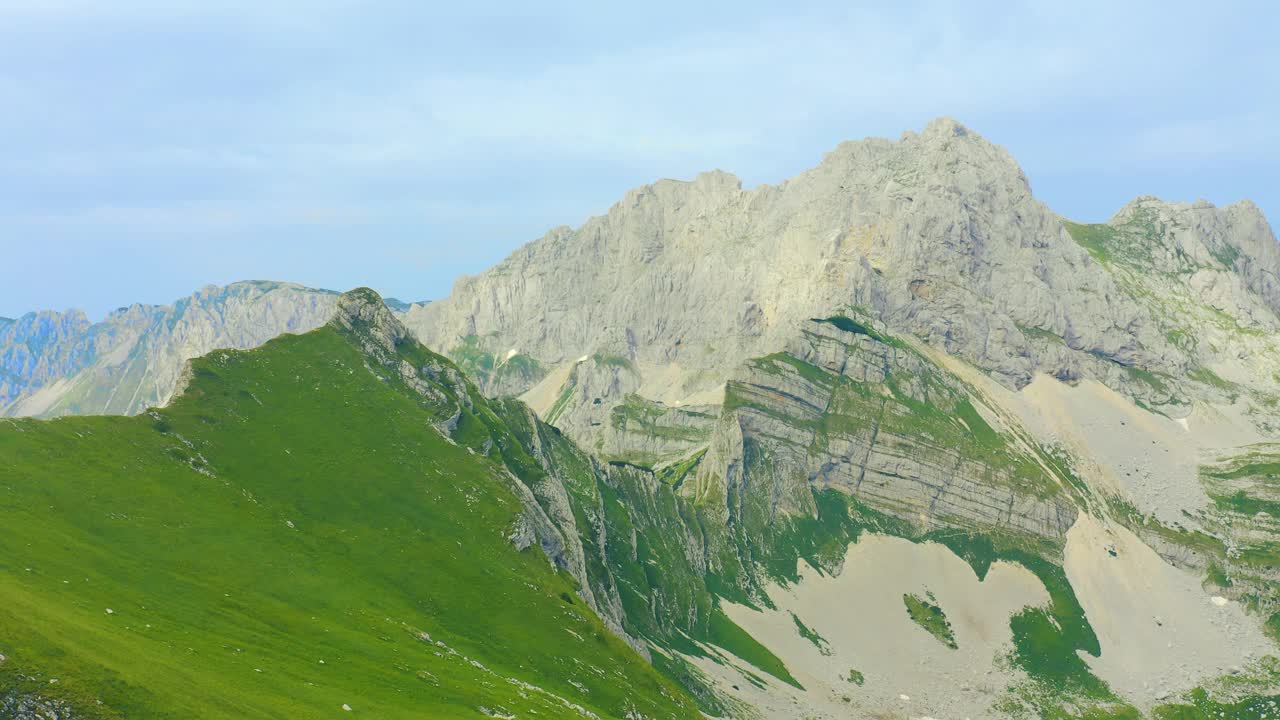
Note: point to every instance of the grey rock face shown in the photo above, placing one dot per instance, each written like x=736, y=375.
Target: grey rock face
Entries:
x=58, y=363
x=1186, y=237
x=30, y=706
x=938, y=235
x=362, y=313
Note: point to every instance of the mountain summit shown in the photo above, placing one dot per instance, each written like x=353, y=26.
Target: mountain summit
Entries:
x=938, y=235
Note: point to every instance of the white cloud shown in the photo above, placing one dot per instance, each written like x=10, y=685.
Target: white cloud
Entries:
x=696, y=96
x=181, y=218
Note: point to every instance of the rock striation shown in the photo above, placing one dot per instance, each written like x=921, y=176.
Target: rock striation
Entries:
x=875, y=420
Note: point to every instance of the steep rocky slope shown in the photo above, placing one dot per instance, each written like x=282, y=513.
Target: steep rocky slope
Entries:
x=59, y=363
x=904, y=340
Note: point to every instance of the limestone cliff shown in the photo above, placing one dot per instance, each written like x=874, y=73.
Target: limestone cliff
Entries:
x=938, y=235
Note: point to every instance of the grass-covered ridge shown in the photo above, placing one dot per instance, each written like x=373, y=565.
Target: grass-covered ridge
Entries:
x=292, y=535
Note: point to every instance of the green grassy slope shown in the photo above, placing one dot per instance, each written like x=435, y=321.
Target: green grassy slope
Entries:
x=281, y=541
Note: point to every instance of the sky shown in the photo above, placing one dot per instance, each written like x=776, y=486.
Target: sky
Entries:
x=151, y=147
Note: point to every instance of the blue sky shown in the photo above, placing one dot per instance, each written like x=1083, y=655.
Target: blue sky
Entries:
x=151, y=146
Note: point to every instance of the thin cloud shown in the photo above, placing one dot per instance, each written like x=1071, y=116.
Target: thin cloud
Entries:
x=170, y=119
x=1220, y=139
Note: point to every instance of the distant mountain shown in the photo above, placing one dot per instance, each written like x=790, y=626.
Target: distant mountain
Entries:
x=55, y=363
x=400, y=305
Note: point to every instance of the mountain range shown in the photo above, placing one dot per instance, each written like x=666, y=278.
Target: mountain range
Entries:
x=888, y=439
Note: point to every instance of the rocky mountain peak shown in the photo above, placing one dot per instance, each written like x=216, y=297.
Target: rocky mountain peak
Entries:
x=945, y=160
x=73, y=318
x=937, y=234
x=363, y=313
x=1181, y=237
x=945, y=127
x=1250, y=209
x=711, y=181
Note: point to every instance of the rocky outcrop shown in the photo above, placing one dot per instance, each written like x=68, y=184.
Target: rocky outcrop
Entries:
x=1235, y=241
x=851, y=409
x=30, y=706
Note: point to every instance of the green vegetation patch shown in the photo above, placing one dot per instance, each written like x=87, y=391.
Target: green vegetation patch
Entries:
x=850, y=326
x=642, y=416
x=472, y=357
x=926, y=613
x=1132, y=243
x=674, y=474
x=1272, y=626
x=1209, y=377
x=822, y=541
x=1246, y=504
x=523, y=368
x=1047, y=640
x=1153, y=380
x=811, y=635
x=489, y=370
x=1268, y=470
x=1035, y=333
x=613, y=361
x=1199, y=705
x=1098, y=239
x=563, y=399
x=1226, y=254
x=1214, y=574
